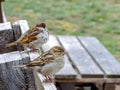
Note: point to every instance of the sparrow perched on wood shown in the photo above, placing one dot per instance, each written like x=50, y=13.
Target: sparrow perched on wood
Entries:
x=48, y=63
x=33, y=38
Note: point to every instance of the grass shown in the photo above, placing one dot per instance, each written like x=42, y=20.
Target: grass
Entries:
x=99, y=18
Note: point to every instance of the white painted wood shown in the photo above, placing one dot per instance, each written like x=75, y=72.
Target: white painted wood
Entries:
x=23, y=25
x=5, y=26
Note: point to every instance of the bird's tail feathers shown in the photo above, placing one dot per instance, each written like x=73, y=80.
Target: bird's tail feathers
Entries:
x=11, y=44
x=20, y=66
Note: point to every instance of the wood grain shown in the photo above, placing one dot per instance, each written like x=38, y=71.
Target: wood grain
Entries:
x=46, y=86
x=15, y=78
x=101, y=56
x=80, y=58
x=24, y=27
x=12, y=80
x=6, y=36
x=29, y=76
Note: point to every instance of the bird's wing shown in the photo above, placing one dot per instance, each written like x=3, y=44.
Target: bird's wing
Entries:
x=48, y=59
x=41, y=61
x=35, y=62
x=30, y=36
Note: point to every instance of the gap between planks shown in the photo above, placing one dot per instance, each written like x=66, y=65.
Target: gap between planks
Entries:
x=109, y=65
x=80, y=58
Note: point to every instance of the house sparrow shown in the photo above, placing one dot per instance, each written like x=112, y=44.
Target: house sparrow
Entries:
x=48, y=63
x=33, y=38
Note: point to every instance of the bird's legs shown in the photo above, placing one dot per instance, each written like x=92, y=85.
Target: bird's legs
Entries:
x=48, y=79
x=34, y=50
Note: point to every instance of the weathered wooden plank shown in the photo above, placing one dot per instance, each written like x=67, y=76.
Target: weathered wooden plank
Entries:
x=67, y=72
x=23, y=25
x=45, y=86
x=29, y=76
x=5, y=26
x=33, y=55
x=8, y=75
x=19, y=28
x=3, y=74
x=101, y=56
x=80, y=58
x=11, y=57
x=6, y=36
x=3, y=78
x=86, y=80
x=15, y=78
x=38, y=83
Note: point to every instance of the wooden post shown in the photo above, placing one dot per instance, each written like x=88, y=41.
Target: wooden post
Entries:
x=2, y=15
x=1, y=19
x=6, y=36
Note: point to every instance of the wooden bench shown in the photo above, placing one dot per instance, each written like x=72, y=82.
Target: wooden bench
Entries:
x=88, y=64
x=17, y=79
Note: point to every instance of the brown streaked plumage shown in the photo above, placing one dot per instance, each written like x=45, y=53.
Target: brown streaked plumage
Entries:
x=49, y=62
x=33, y=38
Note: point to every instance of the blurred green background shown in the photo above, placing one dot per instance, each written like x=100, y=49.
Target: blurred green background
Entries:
x=99, y=18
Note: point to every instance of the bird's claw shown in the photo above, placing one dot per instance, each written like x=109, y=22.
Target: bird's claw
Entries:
x=48, y=80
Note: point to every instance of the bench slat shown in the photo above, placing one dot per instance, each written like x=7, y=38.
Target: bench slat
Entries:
x=45, y=86
x=80, y=58
x=23, y=25
x=67, y=71
x=8, y=73
x=15, y=78
x=102, y=57
x=5, y=26
x=6, y=36
x=19, y=27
